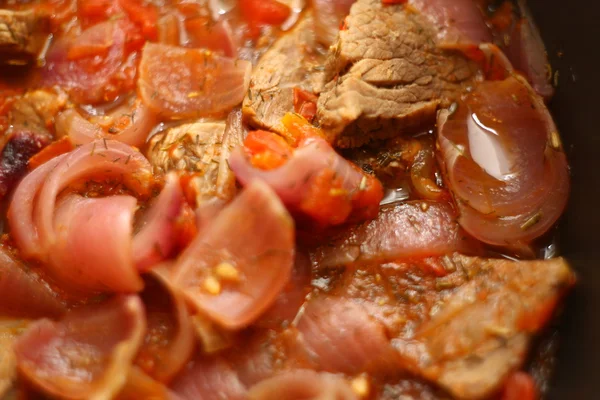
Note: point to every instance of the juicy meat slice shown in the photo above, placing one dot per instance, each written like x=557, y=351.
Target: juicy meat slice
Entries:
x=480, y=332
x=21, y=36
x=293, y=61
x=201, y=148
x=386, y=75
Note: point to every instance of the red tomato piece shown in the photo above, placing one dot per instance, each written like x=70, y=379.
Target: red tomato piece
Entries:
x=520, y=386
x=263, y=12
x=95, y=9
x=267, y=149
x=326, y=201
x=143, y=15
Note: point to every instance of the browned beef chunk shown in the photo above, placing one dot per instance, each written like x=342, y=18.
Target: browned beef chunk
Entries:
x=481, y=332
x=30, y=118
x=463, y=323
x=293, y=61
x=22, y=35
x=386, y=75
x=201, y=148
x=35, y=111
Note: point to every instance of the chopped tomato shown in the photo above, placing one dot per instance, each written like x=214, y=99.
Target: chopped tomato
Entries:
x=96, y=9
x=143, y=14
x=267, y=149
x=520, y=386
x=55, y=149
x=305, y=103
x=263, y=12
x=394, y=1
x=325, y=200
x=365, y=200
x=185, y=226
x=299, y=129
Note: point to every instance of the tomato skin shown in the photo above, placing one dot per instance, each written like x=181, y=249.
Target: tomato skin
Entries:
x=263, y=12
x=520, y=386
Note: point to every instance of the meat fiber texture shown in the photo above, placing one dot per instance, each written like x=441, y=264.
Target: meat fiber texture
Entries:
x=386, y=75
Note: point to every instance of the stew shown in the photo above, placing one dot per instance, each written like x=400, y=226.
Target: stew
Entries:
x=277, y=199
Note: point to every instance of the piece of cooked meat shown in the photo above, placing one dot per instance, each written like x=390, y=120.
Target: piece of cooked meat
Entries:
x=463, y=323
x=293, y=61
x=201, y=148
x=481, y=332
x=22, y=35
x=36, y=110
x=386, y=75
x=31, y=120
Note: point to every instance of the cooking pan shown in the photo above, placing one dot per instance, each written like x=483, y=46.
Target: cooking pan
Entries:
x=570, y=30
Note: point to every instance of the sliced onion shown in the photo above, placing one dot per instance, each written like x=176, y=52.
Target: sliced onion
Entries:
x=170, y=340
x=86, y=243
x=23, y=294
x=92, y=247
x=504, y=163
x=302, y=384
x=81, y=131
x=184, y=83
x=460, y=23
x=87, y=355
x=338, y=335
x=209, y=379
x=236, y=267
x=291, y=298
x=154, y=241
x=411, y=229
x=528, y=53
x=329, y=16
